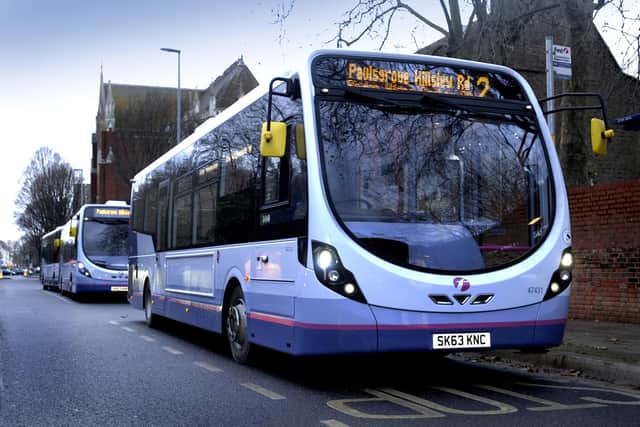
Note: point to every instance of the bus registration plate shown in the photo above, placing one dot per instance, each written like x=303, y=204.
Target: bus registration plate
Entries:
x=118, y=289
x=462, y=340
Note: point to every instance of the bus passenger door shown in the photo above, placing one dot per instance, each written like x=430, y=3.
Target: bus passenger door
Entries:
x=282, y=219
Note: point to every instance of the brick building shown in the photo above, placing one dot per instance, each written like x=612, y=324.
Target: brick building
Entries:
x=137, y=124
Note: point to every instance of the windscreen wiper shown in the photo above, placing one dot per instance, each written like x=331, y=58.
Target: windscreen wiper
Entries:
x=412, y=102
x=357, y=95
x=430, y=100
x=407, y=103
x=403, y=100
x=110, y=221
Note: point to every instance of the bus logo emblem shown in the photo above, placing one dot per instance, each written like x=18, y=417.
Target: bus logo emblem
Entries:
x=461, y=282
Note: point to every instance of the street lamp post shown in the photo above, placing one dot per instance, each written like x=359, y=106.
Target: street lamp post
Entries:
x=179, y=100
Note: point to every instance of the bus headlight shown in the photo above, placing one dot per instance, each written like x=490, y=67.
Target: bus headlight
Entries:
x=332, y=273
x=333, y=276
x=561, y=278
x=83, y=270
x=349, y=288
x=325, y=259
x=566, y=260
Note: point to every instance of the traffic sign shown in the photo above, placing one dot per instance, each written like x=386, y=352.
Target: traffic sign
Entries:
x=561, y=62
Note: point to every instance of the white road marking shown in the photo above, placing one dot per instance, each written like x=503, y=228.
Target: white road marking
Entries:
x=113, y=322
x=501, y=408
x=209, y=367
x=147, y=338
x=171, y=350
x=128, y=329
x=263, y=391
x=547, y=405
x=333, y=423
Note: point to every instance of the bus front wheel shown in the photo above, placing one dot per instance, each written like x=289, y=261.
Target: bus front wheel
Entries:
x=148, y=315
x=236, y=327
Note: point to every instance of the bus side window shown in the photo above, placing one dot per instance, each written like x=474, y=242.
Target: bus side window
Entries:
x=298, y=187
x=182, y=212
x=150, y=212
x=163, y=212
x=272, y=179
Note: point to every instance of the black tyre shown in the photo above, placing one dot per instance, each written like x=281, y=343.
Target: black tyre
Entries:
x=152, y=319
x=236, y=327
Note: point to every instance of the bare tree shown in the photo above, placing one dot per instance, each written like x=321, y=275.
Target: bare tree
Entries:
x=46, y=197
x=374, y=18
x=626, y=25
x=502, y=32
x=24, y=253
x=480, y=29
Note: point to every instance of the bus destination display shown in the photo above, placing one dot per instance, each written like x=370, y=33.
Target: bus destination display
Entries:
x=396, y=76
x=107, y=213
x=440, y=80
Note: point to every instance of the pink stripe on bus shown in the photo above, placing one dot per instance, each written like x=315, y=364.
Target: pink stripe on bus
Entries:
x=442, y=326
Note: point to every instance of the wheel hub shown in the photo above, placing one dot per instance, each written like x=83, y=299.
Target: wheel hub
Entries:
x=236, y=323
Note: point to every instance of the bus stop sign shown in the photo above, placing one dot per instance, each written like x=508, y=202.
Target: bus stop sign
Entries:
x=561, y=61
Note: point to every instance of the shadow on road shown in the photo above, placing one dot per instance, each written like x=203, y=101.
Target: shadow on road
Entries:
x=99, y=298
x=354, y=371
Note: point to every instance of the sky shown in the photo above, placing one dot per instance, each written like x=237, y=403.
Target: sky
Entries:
x=52, y=52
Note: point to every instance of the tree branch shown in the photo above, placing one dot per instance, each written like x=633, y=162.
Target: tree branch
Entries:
x=386, y=34
x=531, y=13
x=421, y=18
x=379, y=12
x=379, y=17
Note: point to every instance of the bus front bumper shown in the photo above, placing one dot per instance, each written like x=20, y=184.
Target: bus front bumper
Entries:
x=344, y=326
x=99, y=286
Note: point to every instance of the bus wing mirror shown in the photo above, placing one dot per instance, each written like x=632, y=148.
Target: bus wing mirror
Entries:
x=273, y=141
x=301, y=145
x=599, y=132
x=599, y=137
x=274, y=134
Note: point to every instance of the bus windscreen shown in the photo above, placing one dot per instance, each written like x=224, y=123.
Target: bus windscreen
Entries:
x=104, y=236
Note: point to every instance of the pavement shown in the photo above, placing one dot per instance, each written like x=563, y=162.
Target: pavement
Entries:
x=604, y=351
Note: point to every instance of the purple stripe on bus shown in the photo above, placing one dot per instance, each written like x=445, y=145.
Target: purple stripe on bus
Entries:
x=203, y=306
x=289, y=322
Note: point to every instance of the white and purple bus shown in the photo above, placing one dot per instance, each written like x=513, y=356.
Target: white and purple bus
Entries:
x=367, y=202
x=50, y=259
x=94, y=249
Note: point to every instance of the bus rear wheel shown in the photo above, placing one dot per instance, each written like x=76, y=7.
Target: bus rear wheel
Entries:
x=236, y=327
x=151, y=319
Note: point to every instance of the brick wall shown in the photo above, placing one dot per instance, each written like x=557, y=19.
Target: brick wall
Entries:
x=605, y=221
x=109, y=183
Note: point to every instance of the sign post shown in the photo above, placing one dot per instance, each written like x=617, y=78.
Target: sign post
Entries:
x=549, y=74
x=558, y=65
